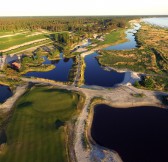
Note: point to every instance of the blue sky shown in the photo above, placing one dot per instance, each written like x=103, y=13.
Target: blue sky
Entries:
x=82, y=7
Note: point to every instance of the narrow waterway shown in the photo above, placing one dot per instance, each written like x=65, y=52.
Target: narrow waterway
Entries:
x=130, y=36
x=95, y=74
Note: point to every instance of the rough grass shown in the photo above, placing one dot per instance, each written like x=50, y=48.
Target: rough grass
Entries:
x=139, y=60
x=34, y=133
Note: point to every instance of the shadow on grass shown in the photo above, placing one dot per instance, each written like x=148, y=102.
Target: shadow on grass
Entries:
x=25, y=104
x=3, y=136
x=163, y=97
x=55, y=90
x=59, y=123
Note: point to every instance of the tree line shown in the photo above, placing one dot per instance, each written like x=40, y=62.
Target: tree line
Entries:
x=58, y=24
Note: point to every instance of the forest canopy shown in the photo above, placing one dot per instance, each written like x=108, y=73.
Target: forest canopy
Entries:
x=57, y=24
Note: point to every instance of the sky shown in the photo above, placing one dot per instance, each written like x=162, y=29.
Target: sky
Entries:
x=82, y=7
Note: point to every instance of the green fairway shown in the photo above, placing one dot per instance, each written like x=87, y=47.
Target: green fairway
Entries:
x=26, y=47
x=8, y=42
x=114, y=36
x=36, y=131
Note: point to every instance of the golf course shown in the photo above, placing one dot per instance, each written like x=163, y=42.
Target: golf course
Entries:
x=36, y=131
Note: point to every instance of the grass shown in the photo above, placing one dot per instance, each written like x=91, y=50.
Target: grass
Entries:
x=12, y=83
x=139, y=60
x=114, y=36
x=28, y=46
x=36, y=131
x=8, y=42
x=156, y=39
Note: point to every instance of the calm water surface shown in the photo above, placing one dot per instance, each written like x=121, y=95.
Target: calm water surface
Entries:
x=5, y=93
x=138, y=134
x=97, y=75
x=60, y=73
x=131, y=40
x=160, y=21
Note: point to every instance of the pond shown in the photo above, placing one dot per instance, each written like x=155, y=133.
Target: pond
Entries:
x=95, y=74
x=138, y=134
x=59, y=73
x=5, y=93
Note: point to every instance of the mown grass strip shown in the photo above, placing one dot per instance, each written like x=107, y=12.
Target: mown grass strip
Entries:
x=36, y=130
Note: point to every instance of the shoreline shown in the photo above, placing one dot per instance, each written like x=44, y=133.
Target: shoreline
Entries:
x=101, y=47
x=89, y=120
x=9, y=103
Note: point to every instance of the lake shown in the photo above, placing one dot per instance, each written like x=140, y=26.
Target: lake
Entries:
x=96, y=75
x=59, y=73
x=158, y=21
x=138, y=134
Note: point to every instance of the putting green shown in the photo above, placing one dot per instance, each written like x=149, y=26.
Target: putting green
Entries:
x=36, y=131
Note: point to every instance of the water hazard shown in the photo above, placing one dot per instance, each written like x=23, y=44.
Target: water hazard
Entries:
x=138, y=134
x=96, y=75
x=59, y=73
x=5, y=93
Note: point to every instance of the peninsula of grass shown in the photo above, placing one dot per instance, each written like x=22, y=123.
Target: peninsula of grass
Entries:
x=114, y=36
x=36, y=132
x=139, y=60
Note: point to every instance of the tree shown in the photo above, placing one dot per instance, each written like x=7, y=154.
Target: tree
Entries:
x=148, y=82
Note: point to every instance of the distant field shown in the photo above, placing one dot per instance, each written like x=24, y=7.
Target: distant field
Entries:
x=36, y=132
x=26, y=47
x=11, y=41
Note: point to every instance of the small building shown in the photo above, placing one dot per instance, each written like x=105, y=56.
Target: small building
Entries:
x=16, y=65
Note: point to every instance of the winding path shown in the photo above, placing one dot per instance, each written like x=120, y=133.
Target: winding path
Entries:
x=119, y=97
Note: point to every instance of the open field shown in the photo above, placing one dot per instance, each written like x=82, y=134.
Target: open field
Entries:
x=156, y=39
x=36, y=131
